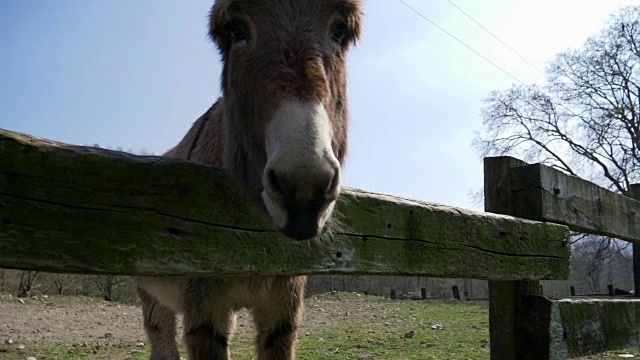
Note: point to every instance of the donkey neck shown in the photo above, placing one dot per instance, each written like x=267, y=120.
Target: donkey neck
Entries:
x=204, y=142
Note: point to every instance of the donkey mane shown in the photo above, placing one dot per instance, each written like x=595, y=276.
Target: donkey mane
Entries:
x=208, y=151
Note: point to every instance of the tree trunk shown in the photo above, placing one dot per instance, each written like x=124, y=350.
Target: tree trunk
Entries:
x=27, y=280
x=61, y=282
x=85, y=286
x=3, y=280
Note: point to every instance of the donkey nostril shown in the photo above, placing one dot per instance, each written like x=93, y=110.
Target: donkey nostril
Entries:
x=332, y=190
x=274, y=182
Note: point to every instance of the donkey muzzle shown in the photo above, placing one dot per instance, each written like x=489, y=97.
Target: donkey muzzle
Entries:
x=301, y=180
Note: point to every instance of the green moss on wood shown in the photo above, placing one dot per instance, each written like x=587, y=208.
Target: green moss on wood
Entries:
x=79, y=209
x=593, y=326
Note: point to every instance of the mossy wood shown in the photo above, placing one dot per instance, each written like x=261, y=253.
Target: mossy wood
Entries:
x=552, y=195
x=67, y=208
x=561, y=329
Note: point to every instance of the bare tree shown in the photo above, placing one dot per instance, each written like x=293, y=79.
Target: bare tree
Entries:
x=106, y=284
x=596, y=264
x=585, y=120
x=61, y=282
x=27, y=281
x=591, y=257
x=85, y=285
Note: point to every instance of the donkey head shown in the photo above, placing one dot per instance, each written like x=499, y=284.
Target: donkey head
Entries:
x=284, y=89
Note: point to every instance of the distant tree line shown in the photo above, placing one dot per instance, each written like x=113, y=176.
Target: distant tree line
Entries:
x=32, y=283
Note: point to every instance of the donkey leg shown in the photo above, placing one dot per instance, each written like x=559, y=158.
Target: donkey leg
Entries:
x=278, y=318
x=160, y=325
x=208, y=324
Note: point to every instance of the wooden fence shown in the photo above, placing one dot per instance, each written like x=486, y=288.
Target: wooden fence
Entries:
x=76, y=209
x=526, y=325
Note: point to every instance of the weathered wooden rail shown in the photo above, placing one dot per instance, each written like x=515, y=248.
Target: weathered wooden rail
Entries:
x=67, y=208
x=80, y=209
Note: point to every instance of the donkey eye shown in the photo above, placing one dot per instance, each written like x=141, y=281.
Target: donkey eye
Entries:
x=339, y=33
x=237, y=31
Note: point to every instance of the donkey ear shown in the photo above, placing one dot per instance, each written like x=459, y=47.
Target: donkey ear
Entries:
x=219, y=17
x=355, y=23
x=352, y=13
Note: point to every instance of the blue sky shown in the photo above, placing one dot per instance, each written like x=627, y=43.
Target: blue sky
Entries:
x=136, y=74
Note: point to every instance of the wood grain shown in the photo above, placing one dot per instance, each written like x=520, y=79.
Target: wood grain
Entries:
x=552, y=195
x=77, y=209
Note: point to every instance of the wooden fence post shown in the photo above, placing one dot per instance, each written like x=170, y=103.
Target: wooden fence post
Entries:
x=505, y=297
x=634, y=192
x=456, y=292
x=636, y=268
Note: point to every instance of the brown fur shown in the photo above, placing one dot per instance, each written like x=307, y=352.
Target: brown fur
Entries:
x=287, y=56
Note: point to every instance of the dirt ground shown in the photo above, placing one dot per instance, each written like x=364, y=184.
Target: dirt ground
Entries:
x=90, y=322
x=68, y=321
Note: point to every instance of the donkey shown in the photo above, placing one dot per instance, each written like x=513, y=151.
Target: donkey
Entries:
x=279, y=130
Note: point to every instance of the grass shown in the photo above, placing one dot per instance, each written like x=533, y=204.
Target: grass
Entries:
x=463, y=335
x=338, y=326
